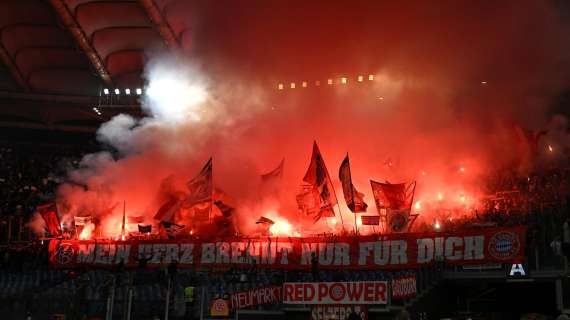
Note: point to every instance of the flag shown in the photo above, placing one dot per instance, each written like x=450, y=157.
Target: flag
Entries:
x=226, y=210
x=264, y=220
x=370, y=220
x=317, y=177
x=145, y=229
x=275, y=174
x=396, y=199
x=354, y=199
x=308, y=200
x=171, y=229
x=271, y=182
x=49, y=214
x=167, y=211
x=201, y=187
x=395, y=196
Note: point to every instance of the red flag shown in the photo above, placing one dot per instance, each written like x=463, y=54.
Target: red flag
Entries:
x=317, y=177
x=397, y=196
x=49, y=214
x=168, y=209
x=354, y=199
x=201, y=187
x=275, y=174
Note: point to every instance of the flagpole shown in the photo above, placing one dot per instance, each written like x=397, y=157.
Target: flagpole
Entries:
x=124, y=220
x=336, y=198
x=211, y=191
x=412, y=201
x=352, y=191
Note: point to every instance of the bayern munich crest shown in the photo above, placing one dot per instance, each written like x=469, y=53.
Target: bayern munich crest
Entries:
x=64, y=253
x=504, y=245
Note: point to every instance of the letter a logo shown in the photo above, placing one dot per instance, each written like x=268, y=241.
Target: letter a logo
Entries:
x=517, y=270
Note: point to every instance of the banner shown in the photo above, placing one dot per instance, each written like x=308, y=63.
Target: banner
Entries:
x=338, y=312
x=370, y=220
x=404, y=287
x=392, y=251
x=362, y=292
x=255, y=297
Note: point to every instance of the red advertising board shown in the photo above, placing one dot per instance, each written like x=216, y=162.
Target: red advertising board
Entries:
x=404, y=287
x=337, y=312
x=257, y=296
x=361, y=292
x=492, y=245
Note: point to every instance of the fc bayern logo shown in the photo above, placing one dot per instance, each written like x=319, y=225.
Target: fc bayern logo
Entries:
x=504, y=245
x=64, y=253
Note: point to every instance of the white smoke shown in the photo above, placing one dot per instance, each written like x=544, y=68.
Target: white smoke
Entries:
x=176, y=91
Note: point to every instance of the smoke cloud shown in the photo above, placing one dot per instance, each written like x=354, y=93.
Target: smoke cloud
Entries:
x=451, y=82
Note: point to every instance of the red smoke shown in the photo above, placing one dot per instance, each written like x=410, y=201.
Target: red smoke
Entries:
x=451, y=81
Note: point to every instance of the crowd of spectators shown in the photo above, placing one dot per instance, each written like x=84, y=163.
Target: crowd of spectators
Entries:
x=30, y=174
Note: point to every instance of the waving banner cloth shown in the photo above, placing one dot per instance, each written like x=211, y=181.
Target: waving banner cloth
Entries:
x=395, y=199
x=391, y=251
x=318, y=187
x=395, y=196
x=272, y=182
x=167, y=211
x=201, y=187
x=354, y=199
x=49, y=214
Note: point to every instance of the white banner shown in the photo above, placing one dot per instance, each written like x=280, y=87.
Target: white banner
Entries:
x=363, y=292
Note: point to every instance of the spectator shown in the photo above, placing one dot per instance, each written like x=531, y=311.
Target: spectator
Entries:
x=566, y=237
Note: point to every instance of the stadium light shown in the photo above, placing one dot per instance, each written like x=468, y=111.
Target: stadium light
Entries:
x=139, y=91
x=128, y=91
x=292, y=85
x=280, y=86
x=117, y=91
x=343, y=80
x=330, y=82
x=370, y=77
x=304, y=84
x=360, y=78
x=106, y=91
x=317, y=83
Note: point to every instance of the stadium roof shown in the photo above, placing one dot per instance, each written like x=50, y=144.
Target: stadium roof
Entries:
x=62, y=52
